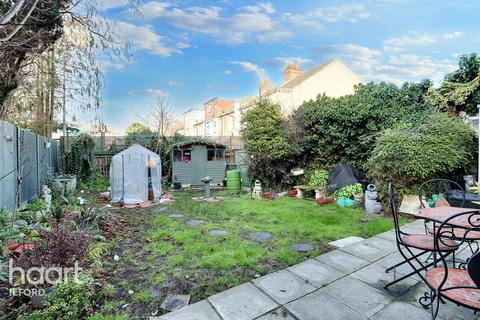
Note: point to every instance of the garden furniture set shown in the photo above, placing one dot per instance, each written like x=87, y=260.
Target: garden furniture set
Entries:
x=448, y=231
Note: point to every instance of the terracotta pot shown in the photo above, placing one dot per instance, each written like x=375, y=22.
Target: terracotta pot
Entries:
x=323, y=201
x=266, y=195
x=292, y=193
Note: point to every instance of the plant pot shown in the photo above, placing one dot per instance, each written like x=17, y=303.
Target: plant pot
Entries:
x=266, y=195
x=292, y=193
x=150, y=195
x=323, y=201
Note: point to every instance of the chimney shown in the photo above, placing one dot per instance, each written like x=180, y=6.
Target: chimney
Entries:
x=264, y=87
x=292, y=70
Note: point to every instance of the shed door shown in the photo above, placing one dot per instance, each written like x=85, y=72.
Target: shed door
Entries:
x=199, y=164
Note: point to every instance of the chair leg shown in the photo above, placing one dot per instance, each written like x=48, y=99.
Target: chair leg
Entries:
x=404, y=261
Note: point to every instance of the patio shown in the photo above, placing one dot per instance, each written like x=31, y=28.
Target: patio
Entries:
x=346, y=283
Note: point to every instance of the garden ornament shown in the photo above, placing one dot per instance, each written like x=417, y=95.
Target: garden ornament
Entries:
x=257, y=190
x=207, y=180
x=372, y=206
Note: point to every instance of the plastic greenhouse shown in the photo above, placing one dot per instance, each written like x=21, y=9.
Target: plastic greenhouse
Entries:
x=134, y=173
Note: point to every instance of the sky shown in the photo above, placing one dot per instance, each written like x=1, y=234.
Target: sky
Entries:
x=192, y=51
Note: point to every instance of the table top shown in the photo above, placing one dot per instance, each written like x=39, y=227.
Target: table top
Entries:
x=440, y=214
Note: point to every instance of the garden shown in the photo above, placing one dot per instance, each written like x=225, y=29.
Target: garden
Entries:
x=128, y=262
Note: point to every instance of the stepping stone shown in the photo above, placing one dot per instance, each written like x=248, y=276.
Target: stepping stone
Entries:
x=198, y=311
x=161, y=209
x=218, y=232
x=175, y=215
x=194, y=222
x=302, y=247
x=261, y=236
x=345, y=241
x=175, y=301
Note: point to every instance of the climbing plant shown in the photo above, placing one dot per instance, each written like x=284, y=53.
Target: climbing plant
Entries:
x=81, y=158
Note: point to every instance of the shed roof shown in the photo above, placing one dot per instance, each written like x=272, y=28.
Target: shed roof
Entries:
x=135, y=148
x=207, y=143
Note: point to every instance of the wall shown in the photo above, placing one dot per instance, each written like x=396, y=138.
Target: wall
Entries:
x=26, y=153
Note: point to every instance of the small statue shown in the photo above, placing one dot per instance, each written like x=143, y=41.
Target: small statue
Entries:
x=257, y=190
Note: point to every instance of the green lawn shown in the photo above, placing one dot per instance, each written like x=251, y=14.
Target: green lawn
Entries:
x=159, y=254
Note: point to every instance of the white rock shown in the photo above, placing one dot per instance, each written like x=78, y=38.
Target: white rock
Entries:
x=116, y=258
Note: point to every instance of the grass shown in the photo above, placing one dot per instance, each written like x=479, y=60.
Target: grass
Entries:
x=170, y=255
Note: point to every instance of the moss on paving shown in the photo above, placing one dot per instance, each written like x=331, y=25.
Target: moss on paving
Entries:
x=172, y=256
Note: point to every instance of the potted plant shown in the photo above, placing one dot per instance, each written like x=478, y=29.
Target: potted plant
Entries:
x=319, y=180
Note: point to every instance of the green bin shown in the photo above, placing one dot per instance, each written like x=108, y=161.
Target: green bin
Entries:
x=233, y=180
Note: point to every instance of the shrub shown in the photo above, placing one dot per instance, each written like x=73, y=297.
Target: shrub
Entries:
x=349, y=191
x=268, y=143
x=318, y=178
x=344, y=130
x=81, y=159
x=67, y=300
x=437, y=147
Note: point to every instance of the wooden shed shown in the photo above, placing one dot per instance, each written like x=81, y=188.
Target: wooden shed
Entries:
x=191, y=161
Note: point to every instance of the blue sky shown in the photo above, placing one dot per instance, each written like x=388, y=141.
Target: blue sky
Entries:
x=192, y=51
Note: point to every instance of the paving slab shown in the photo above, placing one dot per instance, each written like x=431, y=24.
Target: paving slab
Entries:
x=277, y=314
x=261, y=236
x=320, y=306
x=389, y=235
x=283, y=286
x=175, y=215
x=315, y=272
x=194, y=223
x=345, y=241
x=342, y=261
x=244, y=302
x=394, y=258
x=302, y=247
x=417, y=227
x=358, y=295
x=199, y=311
x=382, y=243
x=375, y=275
x=401, y=310
x=367, y=251
x=218, y=232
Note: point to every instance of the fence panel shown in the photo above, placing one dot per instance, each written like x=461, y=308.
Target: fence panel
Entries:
x=26, y=152
x=8, y=160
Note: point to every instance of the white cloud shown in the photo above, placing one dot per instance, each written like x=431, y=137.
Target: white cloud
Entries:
x=373, y=65
x=349, y=12
x=144, y=38
x=416, y=39
x=281, y=62
x=149, y=92
x=251, y=67
x=252, y=22
x=111, y=4
x=108, y=65
x=175, y=83
x=227, y=72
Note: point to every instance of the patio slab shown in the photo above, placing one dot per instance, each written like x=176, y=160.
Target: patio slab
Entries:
x=284, y=286
x=199, y=311
x=367, y=251
x=244, y=302
x=320, y=306
x=345, y=241
x=358, y=295
x=400, y=310
x=342, y=261
x=315, y=272
x=277, y=314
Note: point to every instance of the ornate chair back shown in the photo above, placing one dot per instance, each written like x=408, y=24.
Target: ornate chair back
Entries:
x=438, y=187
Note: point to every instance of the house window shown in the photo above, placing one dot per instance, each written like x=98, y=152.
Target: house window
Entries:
x=177, y=155
x=187, y=155
x=215, y=154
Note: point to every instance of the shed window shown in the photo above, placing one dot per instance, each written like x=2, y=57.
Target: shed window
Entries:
x=215, y=154
x=177, y=155
x=187, y=155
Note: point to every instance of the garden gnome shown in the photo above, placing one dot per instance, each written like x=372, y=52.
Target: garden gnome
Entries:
x=257, y=190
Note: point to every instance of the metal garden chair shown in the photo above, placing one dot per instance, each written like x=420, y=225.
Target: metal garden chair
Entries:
x=441, y=187
x=460, y=285
x=408, y=244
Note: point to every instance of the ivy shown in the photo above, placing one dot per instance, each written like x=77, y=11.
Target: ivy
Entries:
x=81, y=158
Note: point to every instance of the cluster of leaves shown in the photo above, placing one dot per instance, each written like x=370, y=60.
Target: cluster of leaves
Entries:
x=344, y=130
x=460, y=90
x=69, y=300
x=349, y=191
x=268, y=143
x=81, y=158
x=439, y=146
x=318, y=178
x=60, y=247
x=98, y=183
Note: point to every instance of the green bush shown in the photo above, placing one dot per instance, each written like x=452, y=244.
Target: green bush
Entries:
x=67, y=300
x=268, y=143
x=349, y=191
x=344, y=130
x=437, y=147
x=318, y=178
x=81, y=158
x=98, y=183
